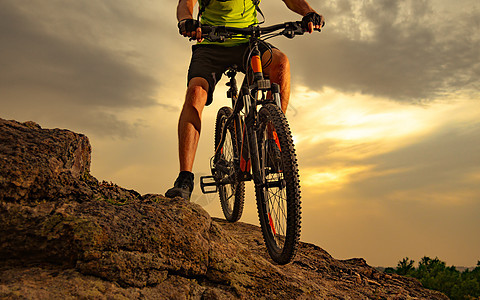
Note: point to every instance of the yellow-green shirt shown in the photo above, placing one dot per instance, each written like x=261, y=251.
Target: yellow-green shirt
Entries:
x=231, y=13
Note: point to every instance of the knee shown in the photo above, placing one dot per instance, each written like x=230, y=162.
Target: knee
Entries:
x=197, y=92
x=280, y=64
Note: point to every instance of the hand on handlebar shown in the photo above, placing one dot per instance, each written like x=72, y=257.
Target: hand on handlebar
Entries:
x=190, y=28
x=313, y=21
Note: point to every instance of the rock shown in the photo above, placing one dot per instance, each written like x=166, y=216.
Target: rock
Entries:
x=39, y=164
x=49, y=165
x=65, y=234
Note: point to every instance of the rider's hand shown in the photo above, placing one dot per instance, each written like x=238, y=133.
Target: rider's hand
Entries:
x=312, y=21
x=190, y=28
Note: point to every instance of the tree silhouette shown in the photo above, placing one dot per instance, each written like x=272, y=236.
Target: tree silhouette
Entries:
x=434, y=274
x=405, y=266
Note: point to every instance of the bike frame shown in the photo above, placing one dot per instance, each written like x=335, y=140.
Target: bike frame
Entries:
x=246, y=125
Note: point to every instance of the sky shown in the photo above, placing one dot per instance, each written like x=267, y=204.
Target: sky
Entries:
x=384, y=109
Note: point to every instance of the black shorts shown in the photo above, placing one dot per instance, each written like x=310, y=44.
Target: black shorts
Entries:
x=211, y=61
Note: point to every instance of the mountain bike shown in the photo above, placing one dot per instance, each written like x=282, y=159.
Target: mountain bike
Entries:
x=253, y=141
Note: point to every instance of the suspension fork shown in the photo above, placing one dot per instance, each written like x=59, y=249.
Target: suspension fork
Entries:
x=246, y=127
x=260, y=85
x=256, y=63
x=249, y=101
x=254, y=155
x=250, y=143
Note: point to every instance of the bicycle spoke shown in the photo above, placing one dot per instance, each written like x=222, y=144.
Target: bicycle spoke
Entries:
x=231, y=192
x=280, y=217
x=276, y=206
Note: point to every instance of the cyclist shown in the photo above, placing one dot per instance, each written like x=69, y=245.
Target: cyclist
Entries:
x=210, y=60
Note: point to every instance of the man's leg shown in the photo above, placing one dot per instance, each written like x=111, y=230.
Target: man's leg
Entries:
x=189, y=127
x=190, y=122
x=279, y=72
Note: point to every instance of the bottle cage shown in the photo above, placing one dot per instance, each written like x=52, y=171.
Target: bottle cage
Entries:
x=204, y=3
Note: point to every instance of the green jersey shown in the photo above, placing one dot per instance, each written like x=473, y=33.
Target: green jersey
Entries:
x=231, y=13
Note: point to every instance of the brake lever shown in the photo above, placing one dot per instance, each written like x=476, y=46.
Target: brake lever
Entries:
x=211, y=36
x=292, y=29
x=215, y=34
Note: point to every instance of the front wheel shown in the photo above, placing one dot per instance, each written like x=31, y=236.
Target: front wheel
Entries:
x=232, y=193
x=278, y=197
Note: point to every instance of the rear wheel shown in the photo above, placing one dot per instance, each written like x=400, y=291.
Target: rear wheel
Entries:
x=232, y=193
x=278, y=199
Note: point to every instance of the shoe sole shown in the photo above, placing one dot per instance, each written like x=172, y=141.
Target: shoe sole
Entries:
x=177, y=193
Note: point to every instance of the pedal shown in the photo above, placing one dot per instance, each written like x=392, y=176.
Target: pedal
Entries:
x=208, y=182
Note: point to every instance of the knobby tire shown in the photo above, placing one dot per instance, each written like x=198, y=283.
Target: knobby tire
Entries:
x=232, y=196
x=278, y=201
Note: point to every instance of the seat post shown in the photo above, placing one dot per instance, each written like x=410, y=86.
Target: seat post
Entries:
x=232, y=83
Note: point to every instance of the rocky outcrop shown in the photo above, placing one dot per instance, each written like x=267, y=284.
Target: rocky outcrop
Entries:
x=65, y=234
x=48, y=164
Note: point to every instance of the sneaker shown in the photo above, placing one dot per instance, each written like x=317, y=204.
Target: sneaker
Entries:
x=182, y=187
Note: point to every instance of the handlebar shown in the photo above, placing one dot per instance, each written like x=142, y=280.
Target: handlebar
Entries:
x=220, y=33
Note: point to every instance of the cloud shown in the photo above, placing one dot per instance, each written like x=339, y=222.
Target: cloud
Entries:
x=53, y=61
x=377, y=148
x=404, y=50
x=443, y=169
